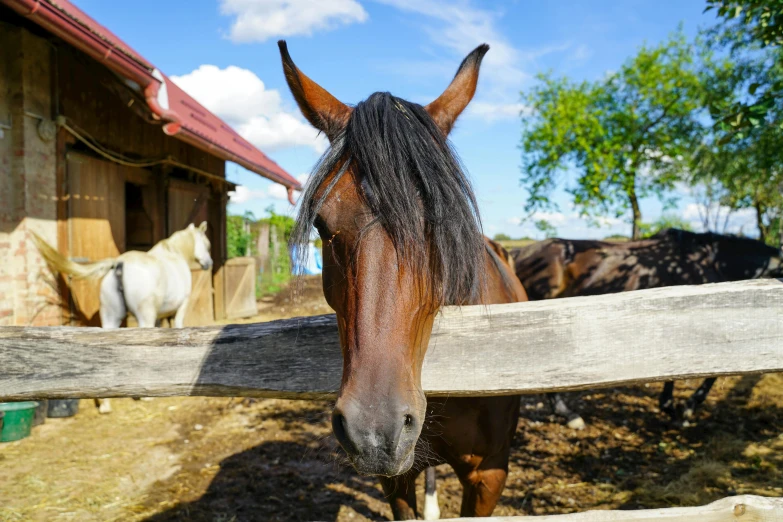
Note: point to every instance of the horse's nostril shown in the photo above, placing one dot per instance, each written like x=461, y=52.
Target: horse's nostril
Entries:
x=408, y=420
x=341, y=431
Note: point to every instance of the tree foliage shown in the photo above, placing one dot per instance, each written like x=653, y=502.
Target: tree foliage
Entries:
x=627, y=136
x=759, y=21
x=747, y=29
x=740, y=160
x=239, y=239
x=546, y=228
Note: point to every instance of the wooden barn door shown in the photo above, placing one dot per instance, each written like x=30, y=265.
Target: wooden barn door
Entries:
x=189, y=203
x=95, y=195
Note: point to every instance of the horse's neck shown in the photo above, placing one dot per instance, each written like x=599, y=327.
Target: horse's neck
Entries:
x=180, y=243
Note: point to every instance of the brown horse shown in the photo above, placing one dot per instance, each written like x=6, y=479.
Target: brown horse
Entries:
x=402, y=238
x=567, y=268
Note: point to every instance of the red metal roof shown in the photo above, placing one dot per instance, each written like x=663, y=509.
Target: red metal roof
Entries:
x=183, y=116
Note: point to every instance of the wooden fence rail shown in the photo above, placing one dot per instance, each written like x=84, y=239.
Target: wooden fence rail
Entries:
x=744, y=508
x=564, y=344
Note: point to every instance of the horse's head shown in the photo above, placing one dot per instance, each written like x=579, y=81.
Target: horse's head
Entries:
x=401, y=237
x=201, y=245
x=739, y=258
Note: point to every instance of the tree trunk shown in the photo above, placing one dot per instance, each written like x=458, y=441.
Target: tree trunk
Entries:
x=760, y=222
x=636, y=233
x=780, y=228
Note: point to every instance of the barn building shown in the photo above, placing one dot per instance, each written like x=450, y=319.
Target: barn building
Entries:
x=100, y=153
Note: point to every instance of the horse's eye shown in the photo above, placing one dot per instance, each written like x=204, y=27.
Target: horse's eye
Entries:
x=321, y=227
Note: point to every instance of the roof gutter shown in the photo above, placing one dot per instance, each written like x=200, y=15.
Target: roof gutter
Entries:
x=191, y=137
x=149, y=80
x=57, y=23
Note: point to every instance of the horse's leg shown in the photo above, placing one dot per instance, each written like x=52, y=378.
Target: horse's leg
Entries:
x=573, y=419
x=695, y=400
x=400, y=492
x=112, y=311
x=431, y=508
x=666, y=400
x=179, y=317
x=483, y=486
x=147, y=317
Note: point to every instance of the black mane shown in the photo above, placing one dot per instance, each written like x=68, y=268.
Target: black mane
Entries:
x=414, y=185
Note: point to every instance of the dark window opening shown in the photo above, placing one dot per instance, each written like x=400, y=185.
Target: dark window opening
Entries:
x=139, y=227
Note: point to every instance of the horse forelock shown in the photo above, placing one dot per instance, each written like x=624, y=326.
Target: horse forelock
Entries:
x=414, y=185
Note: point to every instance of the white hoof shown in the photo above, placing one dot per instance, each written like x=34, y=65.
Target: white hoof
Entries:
x=431, y=508
x=576, y=423
x=104, y=406
x=688, y=413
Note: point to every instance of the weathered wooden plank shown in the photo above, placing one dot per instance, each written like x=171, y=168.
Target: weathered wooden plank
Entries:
x=563, y=344
x=744, y=508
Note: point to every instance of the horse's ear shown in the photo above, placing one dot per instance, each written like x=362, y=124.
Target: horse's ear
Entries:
x=325, y=112
x=203, y=226
x=190, y=226
x=449, y=105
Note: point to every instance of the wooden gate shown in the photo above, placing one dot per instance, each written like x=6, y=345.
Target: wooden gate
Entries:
x=201, y=309
x=95, y=195
x=240, y=287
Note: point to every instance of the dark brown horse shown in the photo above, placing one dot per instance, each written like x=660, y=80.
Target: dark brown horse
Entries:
x=567, y=268
x=402, y=238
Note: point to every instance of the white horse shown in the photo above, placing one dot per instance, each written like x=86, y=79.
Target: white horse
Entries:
x=149, y=285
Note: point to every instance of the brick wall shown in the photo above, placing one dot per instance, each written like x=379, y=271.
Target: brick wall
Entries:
x=28, y=191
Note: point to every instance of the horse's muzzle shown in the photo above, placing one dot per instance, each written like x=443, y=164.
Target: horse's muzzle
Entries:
x=377, y=442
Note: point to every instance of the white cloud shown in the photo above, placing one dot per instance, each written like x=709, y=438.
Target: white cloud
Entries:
x=567, y=225
x=497, y=111
x=240, y=98
x=580, y=54
x=242, y=194
x=260, y=20
x=553, y=218
x=463, y=27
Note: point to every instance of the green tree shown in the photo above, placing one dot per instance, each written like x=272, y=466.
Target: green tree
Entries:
x=627, y=136
x=746, y=29
x=546, y=228
x=502, y=237
x=238, y=237
x=750, y=172
x=743, y=162
x=759, y=21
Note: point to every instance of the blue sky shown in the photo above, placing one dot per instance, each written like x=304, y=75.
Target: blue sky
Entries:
x=224, y=53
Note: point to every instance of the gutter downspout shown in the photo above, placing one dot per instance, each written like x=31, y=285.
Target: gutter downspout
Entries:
x=157, y=98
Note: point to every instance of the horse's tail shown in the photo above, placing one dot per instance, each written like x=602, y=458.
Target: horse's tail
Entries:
x=60, y=263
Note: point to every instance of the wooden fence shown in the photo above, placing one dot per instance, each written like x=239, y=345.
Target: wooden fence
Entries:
x=743, y=508
x=240, y=287
x=557, y=345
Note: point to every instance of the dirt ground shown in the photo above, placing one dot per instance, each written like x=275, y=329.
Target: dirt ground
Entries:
x=221, y=460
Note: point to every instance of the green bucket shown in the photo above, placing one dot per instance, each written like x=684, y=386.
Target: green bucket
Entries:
x=17, y=420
